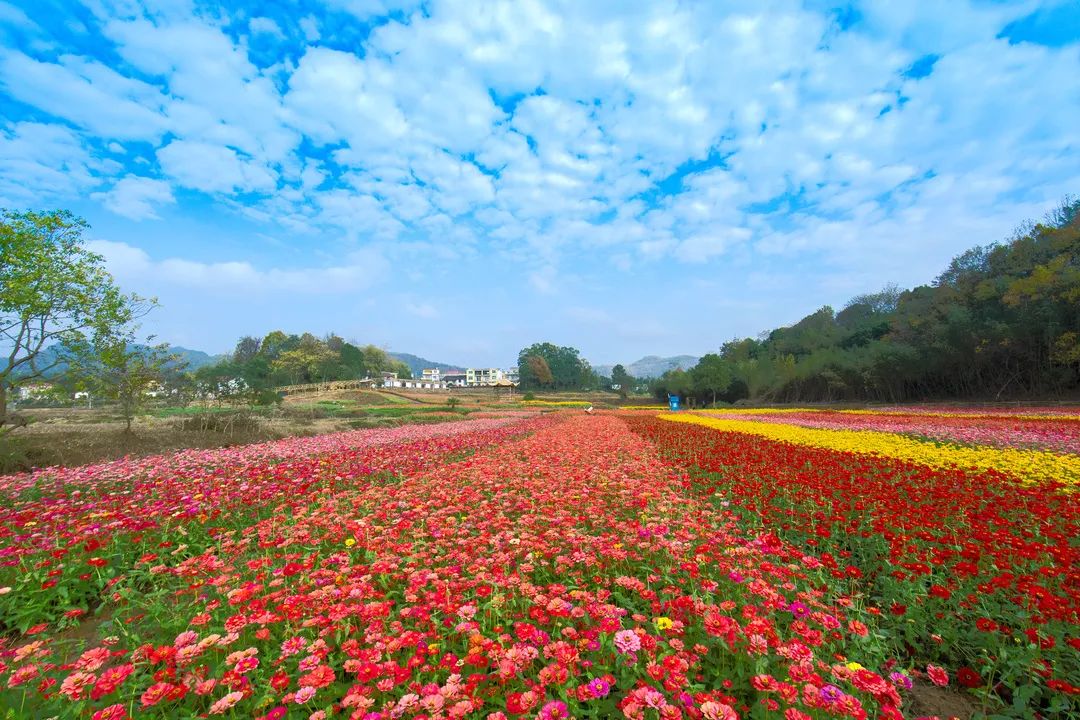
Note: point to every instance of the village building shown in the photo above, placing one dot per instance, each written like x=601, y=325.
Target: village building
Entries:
x=391, y=380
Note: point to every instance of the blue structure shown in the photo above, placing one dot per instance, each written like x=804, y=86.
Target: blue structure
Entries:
x=673, y=402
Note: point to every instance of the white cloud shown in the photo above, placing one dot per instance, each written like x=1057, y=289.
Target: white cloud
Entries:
x=41, y=163
x=87, y=94
x=700, y=248
x=136, y=197
x=213, y=168
x=359, y=270
x=265, y=26
x=11, y=15
x=310, y=27
x=545, y=131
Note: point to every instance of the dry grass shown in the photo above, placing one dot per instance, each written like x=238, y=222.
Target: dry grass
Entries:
x=76, y=437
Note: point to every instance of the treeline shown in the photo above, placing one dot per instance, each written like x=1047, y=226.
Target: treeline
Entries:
x=258, y=365
x=545, y=366
x=1002, y=321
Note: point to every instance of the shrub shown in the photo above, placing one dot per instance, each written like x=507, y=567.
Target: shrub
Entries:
x=13, y=456
x=218, y=422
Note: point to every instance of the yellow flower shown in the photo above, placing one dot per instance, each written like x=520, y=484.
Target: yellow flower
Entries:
x=349, y=542
x=1028, y=465
x=433, y=647
x=663, y=623
x=854, y=666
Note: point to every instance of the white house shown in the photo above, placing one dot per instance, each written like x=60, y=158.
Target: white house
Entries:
x=391, y=380
x=454, y=378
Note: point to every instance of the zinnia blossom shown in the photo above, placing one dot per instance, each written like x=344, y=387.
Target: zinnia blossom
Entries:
x=627, y=641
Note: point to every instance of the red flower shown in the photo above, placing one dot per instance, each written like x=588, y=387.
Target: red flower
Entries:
x=968, y=678
x=320, y=677
x=940, y=591
x=113, y=712
x=937, y=675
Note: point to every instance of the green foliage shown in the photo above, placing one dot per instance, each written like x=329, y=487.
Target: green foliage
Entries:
x=622, y=379
x=547, y=366
x=1001, y=320
x=52, y=291
x=259, y=365
x=127, y=374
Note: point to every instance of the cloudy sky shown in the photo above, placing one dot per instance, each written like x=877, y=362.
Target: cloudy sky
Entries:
x=457, y=179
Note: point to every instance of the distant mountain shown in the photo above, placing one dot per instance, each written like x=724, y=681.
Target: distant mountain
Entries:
x=195, y=359
x=417, y=364
x=651, y=366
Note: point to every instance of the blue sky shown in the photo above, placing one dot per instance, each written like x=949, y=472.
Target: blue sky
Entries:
x=457, y=179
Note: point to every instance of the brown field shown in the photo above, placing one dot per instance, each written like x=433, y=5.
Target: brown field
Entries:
x=77, y=436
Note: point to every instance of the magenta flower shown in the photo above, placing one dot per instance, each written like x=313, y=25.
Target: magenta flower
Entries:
x=599, y=688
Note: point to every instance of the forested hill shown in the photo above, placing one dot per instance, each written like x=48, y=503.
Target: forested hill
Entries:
x=54, y=358
x=418, y=364
x=1001, y=322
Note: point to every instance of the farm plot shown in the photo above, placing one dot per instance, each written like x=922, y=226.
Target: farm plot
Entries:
x=965, y=555
x=566, y=572
x=570, y=565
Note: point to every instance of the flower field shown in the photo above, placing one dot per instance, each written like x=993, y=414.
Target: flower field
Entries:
x=1019, y=430
x=568, y=565
x=966, y=555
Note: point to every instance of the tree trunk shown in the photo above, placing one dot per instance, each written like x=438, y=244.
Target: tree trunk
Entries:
x=3, y=402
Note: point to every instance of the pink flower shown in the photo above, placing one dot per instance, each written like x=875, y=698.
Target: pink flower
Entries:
x=76, y=683
x=304, y=694
x=627, y=641
x=185, y=638
x=712, y=710
x=554, y=710
x=937, y=674
x=155, y=694
x=222, y=705
x=113, y=712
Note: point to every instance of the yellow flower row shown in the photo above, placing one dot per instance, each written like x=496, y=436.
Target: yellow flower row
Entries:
x=989, y=413
x=1027, y=465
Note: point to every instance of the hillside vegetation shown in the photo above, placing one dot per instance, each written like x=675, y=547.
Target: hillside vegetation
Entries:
x=1002, y=321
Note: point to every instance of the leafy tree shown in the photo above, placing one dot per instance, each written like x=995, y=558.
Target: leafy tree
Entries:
x=53, y=291
x=247, y=348
x=569, y=371
x=539, y=372
x=307, y=363
x=123, y=369
x=622, y=379
x=223, y=382
x=275, y=343
x=1001, y=318
x=128, y=373
x=353, y=366
x=711, y=376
